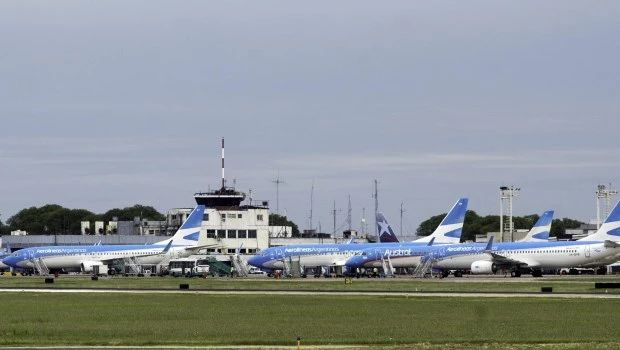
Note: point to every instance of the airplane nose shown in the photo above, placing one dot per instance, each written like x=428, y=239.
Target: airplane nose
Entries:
x=8, y=262
x=253, y=260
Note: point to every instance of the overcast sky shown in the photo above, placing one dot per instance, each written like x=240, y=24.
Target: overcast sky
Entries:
x=107, y=104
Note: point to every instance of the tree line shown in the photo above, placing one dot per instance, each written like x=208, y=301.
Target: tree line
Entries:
x=55, y=219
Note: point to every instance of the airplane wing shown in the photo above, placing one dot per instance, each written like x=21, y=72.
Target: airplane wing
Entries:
x=504, y=260
x=195, y=249
x=164, y=251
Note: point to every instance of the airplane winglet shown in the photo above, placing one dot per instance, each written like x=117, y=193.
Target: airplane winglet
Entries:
x=489, y=246
x=167, y=247
x=430, y=243
x=351, y=240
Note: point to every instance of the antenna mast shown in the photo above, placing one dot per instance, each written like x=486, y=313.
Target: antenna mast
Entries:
x=223, y=181
x=364, y=221
x=334, y=212
x=376, y=196
x=401, y=220
x=277, y=181
x=311, y=196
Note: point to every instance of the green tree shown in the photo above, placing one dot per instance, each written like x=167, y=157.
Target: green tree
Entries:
x=54, y=219
x=4, y=230
x=279, y=220
x=559, y=227
x=481, y=225
x=129, y=213
x=49, y=219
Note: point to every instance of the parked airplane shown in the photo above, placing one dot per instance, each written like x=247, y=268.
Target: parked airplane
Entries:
x=83, y=258
x=336, y=254
x=408, y=256
x=599, y=249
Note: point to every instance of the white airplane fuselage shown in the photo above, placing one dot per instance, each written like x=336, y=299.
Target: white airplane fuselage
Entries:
x=544, y=257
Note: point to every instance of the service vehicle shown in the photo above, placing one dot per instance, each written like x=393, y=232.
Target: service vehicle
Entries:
x=188, y=267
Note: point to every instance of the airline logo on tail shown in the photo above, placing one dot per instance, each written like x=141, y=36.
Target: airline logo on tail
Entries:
x=385, y=231
x=189, y=232
x=610, y=229
x=451, y=227
x=542, y=228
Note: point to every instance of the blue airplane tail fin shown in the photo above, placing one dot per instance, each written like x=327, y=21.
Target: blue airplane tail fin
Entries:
x=189, y=231
x=450, y=228
x=609, y=230
x=386, y=234
x=541, y=229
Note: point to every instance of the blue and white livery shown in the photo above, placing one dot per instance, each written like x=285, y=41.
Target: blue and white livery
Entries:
x=542, y=228
x=83, y=258
x=599, y=249
x=337, y=254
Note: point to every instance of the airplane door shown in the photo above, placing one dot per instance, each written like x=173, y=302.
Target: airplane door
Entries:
x=279, y=253
x=378, y=253
x=31, y=254
x=441, y=253
x=587, y=250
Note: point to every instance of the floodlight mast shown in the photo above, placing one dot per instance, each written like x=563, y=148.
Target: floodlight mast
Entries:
x=603, y=193
x=507, y=193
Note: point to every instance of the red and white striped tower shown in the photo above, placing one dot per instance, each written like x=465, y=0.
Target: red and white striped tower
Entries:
x=223, y=181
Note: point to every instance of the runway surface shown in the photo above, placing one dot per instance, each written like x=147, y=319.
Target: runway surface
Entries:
x=341, y=293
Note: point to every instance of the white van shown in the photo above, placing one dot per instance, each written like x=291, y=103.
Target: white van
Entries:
x=256, y=271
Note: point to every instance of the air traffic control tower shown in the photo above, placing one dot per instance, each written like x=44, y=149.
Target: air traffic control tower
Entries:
x=224, y=197
x=231, y=226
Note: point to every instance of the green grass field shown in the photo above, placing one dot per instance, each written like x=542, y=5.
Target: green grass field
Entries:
x=197, y=319
x=581, y=284
x=387, y=322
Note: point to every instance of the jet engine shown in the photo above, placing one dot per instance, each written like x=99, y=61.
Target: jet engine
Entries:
x=87, y=266
x=483, y=267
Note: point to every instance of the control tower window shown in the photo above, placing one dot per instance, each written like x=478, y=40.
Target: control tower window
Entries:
x=221, y=233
